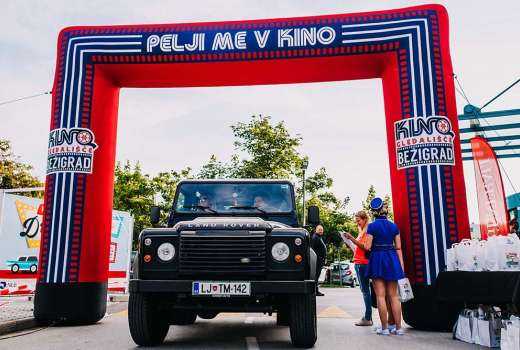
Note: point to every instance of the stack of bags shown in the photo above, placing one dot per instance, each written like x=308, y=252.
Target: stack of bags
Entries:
x=482, y=326
x=497, y=253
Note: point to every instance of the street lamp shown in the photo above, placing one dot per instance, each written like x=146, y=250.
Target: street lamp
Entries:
x=305, y=164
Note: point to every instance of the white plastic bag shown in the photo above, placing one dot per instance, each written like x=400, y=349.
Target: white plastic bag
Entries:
x=504, y=343
x=510, y=335
x=509, y=253
x=405, y=290
x=451, y=258
x=488, y=332
x=464, y=326
x=493, y=248
x=466, y=255
x=480, y=256
x=475, y=336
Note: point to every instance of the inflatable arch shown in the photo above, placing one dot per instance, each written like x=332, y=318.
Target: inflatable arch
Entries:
x=407, y=48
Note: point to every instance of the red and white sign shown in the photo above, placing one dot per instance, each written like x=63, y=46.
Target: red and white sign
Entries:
x=20, y=231
x=490, y=190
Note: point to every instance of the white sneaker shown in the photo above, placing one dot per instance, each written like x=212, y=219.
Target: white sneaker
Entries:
x=391, y=328
x=380, y=331
x=398, y=332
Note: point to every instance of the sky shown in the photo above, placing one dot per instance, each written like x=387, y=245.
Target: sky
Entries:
x=341, y=122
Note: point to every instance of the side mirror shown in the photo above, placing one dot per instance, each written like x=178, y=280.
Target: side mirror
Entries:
x=313, y=215
x=155, y=215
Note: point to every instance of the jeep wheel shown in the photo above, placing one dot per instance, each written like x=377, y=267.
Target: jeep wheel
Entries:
x=302, y=320
x=183, y=317
x=148, y=324
x=207, y=315
x=15, y=268
x=33, y=268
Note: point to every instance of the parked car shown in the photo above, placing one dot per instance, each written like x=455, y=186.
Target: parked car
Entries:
x=24, y=263
x=346, y=270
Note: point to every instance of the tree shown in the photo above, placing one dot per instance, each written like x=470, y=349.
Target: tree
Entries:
x=133, y=192
x=137, y=192
x=164, y=185
x=333, y=214
x=388, y=202
x=213, y=169
x=267, y=151
x=271, y=150
x=370, y=195
x=13, y=173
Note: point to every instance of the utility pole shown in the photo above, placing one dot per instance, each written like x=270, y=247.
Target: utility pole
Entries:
x=305, y=164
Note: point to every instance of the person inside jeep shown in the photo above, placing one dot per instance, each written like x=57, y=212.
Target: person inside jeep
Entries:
x=204, y=201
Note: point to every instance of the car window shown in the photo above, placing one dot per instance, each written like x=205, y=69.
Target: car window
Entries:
x=32, y=258
x=22, y=258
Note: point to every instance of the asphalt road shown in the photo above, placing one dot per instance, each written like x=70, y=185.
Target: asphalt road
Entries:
x=337, y=310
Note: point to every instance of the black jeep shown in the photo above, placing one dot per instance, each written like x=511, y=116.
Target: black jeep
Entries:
x=230, y=246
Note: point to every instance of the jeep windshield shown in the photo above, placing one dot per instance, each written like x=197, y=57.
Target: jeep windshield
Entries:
x=236, y=197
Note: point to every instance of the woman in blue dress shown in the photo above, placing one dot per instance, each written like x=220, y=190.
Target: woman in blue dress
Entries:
x=385, y=265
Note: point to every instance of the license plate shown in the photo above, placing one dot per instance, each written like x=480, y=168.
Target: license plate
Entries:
x=220, y=289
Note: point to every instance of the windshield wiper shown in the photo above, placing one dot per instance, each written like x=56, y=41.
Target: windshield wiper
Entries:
x=200, y=207
x=248, y=207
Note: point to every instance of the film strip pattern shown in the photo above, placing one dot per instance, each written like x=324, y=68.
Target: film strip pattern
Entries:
x=412, y=35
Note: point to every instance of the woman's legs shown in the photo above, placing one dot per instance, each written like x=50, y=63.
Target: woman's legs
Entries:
x=364, y=285
x=389, y=308
x=379, y=288
x=391, y=291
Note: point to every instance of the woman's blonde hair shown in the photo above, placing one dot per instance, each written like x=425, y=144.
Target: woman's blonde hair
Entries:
x=362, y=215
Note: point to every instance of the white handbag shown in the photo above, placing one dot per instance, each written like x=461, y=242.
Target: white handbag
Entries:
x=405, y=290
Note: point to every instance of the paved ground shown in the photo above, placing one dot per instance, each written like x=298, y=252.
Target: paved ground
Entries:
x=338, y=310
x=15, y=308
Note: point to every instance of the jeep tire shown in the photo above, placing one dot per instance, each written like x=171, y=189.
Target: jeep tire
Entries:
x=15, y=268
x=302, y=320
x=148, y=324
x=207, y=315
x=183, y=317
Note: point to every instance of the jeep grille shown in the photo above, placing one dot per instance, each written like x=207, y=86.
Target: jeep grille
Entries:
x=217, y=253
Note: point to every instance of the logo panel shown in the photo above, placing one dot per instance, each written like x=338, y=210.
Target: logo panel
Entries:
x=424, y=141
x=71, y=151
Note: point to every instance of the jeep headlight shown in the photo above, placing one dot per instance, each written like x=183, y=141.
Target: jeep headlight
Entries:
x=166, y=252
x=280, y=251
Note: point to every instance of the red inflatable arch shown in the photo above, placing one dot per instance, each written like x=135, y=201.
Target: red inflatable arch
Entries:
x=407, y=48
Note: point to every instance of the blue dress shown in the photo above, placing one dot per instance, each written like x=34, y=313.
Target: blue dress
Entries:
x=383, y=262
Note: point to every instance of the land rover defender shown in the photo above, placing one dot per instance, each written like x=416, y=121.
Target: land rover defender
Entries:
x=229, y=246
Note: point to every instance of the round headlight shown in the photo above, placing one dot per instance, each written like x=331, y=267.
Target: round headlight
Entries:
x=298, y=241
x=166, y=251
x=147, y=241
x=280, y=251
